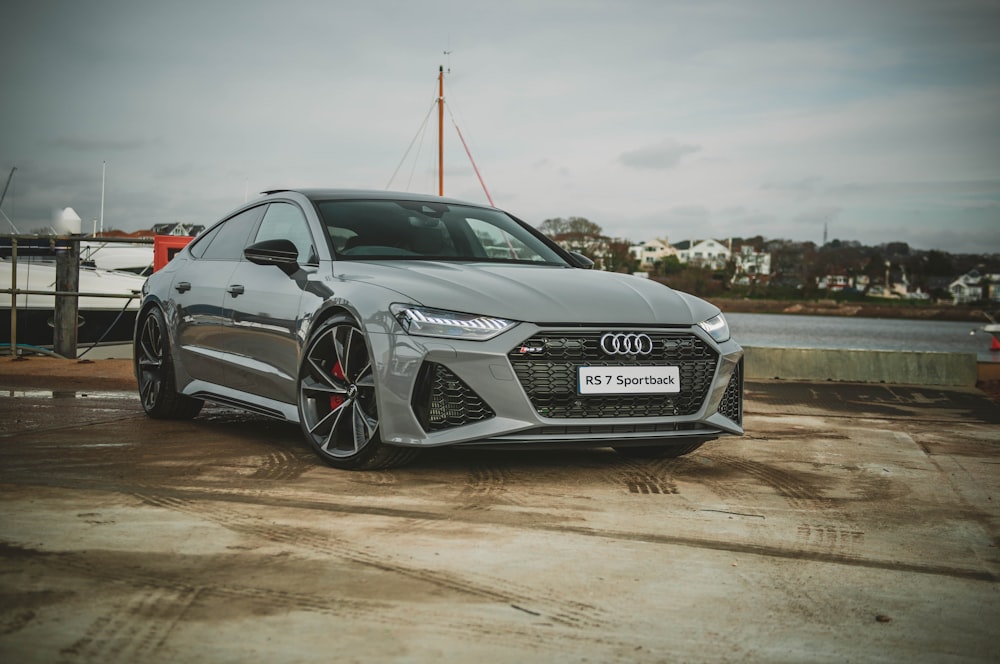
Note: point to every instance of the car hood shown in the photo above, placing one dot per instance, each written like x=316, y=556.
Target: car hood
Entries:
x=540, y=294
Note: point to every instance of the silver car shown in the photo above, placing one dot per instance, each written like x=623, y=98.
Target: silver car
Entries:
x=384, y=323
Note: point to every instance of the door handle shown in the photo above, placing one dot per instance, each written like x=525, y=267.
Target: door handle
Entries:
x=182, y=286
x=235, y=289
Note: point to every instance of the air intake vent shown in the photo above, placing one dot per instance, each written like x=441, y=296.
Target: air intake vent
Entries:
x=732, y=400
x=442, y=401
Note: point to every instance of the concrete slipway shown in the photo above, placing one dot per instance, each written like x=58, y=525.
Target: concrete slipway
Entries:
x=853, y=523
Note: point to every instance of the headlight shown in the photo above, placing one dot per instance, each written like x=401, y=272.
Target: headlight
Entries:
x=717, y=328
x=424, y=322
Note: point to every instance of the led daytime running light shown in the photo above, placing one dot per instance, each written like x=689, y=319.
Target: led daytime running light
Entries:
x=479, y=323
x=426, y=322
x=717, y=328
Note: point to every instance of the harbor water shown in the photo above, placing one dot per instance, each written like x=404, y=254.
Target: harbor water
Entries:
x=845, y=332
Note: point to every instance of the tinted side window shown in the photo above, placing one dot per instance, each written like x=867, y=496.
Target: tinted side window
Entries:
x=232, y=235
x=286, y=221
x=498, y=243
x=200, y=243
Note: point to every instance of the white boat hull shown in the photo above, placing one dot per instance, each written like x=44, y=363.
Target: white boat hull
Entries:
x=108, y=319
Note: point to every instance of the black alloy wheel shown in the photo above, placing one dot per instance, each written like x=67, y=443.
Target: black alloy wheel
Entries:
x=337, y=404
x=154, y=371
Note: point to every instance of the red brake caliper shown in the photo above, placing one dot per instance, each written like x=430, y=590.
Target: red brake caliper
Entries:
x=335, y=399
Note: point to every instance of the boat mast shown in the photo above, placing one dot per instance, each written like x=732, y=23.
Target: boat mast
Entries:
x=104, y=170
x=3, y=196
x=441, y=130
x=7, y=186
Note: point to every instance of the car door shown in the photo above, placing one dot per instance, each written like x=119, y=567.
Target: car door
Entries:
x=199, y=293
x=262, y=308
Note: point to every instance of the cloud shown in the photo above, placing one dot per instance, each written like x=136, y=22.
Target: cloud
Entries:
x=900, y=190
x=919, y=189
x=659, y=157
x=822, y=214
x=675, y=118
x=81, y=144
x=802, y=188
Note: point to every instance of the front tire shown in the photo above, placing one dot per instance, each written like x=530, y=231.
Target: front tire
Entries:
x=154, y=371
x=337, y=405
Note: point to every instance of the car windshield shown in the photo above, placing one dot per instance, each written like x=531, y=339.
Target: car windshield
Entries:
x=418, y=230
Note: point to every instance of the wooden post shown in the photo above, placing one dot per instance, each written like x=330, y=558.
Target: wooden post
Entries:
x=13, y=295
x=66, y=313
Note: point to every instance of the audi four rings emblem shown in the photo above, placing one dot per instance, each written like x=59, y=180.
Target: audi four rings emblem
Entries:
x=626, y=344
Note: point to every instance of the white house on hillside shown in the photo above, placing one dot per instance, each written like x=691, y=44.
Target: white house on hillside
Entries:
x=648, y=253
x=967, y=288
x=993, y=287
x=752, y=263
x=703, y=253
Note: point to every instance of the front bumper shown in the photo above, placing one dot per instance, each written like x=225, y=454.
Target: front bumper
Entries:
x=435, y=392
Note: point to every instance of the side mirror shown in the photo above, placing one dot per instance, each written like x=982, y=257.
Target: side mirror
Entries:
x=281, y=253
x=581, y=260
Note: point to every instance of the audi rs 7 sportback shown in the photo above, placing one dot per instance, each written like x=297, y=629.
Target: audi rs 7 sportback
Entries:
x=384, y=323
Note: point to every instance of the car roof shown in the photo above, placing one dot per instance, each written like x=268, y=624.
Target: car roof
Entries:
x=318, y=194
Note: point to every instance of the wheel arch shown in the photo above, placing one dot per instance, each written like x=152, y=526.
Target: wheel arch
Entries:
x=147, y=305
x=156, y=369
x=169, y=314
x=319, y=320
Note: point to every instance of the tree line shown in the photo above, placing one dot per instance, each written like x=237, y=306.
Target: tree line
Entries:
x=796, y=267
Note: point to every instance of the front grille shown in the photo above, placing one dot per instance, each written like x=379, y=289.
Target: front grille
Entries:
x=732, y=400
x=548, y=373
x=441, y=400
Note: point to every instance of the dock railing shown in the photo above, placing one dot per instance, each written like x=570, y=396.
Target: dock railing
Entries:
x=66, y=250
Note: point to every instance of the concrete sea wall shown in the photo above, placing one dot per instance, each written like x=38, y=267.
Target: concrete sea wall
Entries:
x=861, y=366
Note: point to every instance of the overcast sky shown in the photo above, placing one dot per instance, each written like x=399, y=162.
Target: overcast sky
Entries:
x=880, y=119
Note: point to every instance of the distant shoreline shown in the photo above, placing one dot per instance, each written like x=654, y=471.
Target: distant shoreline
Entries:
x=852, y=309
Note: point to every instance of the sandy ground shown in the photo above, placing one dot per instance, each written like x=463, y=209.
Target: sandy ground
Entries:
x=38, y=371
x=853, y=523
